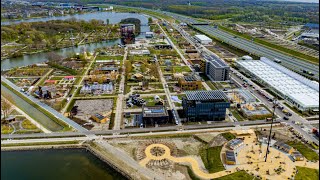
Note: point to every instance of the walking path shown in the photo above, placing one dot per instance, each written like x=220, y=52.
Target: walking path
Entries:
x=122, y=158
x=190, y=160
x=119, y=109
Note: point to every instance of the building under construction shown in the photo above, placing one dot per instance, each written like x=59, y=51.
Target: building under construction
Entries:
x=127, y=33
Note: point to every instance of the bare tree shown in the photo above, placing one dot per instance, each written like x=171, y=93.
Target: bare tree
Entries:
x=54, y=57
x=5, y=107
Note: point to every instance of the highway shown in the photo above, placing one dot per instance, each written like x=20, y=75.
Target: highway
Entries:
x=251, y=47
x=235, y=76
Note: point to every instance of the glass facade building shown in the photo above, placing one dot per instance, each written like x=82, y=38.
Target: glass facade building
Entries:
x=205, y=105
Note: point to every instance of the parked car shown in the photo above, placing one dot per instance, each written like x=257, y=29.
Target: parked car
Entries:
x=285, y=118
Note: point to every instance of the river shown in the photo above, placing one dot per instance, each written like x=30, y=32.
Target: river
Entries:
x=114, y=17
x=64, y=164
x=42, y=57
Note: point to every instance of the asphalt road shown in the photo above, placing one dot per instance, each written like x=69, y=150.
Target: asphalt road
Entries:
x=295, y=117
x=290, y=62
x=184, y=128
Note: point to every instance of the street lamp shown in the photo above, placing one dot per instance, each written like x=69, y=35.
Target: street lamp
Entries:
x=274, y=108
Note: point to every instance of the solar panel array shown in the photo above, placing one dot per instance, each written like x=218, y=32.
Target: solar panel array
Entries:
x=205, y=95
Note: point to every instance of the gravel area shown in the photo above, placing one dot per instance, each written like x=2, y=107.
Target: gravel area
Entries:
x=86, y=108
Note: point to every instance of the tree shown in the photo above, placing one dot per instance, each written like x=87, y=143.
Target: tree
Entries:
x=149, y=20
x=5, y=107
x=143, y=68
x=54, y=57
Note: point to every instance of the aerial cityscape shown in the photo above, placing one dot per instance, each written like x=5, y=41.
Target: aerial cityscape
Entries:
x=159, y=89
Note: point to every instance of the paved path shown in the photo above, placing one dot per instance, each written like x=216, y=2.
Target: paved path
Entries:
x=190, y=160
x=119, y=109
x=78, y=85
x=127, y=160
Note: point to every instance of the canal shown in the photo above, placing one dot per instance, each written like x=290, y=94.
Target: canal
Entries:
x=30, y=110
x=62, y=164
x=42, y=57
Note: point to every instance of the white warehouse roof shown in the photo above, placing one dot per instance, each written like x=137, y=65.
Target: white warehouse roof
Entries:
x=202, y=37
x=297, y=91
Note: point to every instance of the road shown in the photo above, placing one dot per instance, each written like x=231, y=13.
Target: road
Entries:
x=78, y=85
x=251, y=47
x=295, y=117
x=164, y=129
x=118, y=116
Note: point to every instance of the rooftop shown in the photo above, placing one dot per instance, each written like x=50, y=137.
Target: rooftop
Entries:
x=230, y=156
x=216, y=61
x=203, y=37
x=290, y=84
x=234, y=142
x=205, y=95
x=154, y=111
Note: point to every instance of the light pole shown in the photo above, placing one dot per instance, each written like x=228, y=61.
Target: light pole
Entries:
x=274, y=108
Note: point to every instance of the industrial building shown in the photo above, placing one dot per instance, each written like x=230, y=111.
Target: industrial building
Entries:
x=154, y=115
x=216, y=69
x=203, y=39
x=127, y=33
x=205, y=105
x=298, y=91
x=190, y=83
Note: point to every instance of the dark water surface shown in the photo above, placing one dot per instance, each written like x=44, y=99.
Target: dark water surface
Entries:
x=64, y=164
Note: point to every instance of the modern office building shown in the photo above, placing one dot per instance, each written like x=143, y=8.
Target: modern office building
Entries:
x=297, y=90
x=216, y=69
x=205, y=105
x=203, y=39
x=153, y=115
x=127, y=33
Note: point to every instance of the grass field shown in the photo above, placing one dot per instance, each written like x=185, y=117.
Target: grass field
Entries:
x=228, y=136
x=304, y=150
x=211, y=158
x=306, y=174
x=6, y=129
x=210, y=84
x=236, y=114
x=26, y=124
x=240, y=175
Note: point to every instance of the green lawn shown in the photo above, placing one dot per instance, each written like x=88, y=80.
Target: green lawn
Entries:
x=304, y=150
x=26, y=124
x=6, y=129
x=236, y=114
x=210, y=84
x=228, y=136
x=179, y=69
x=307, y=174
x=106, y=57
x=211, y=158
x=240, y=175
